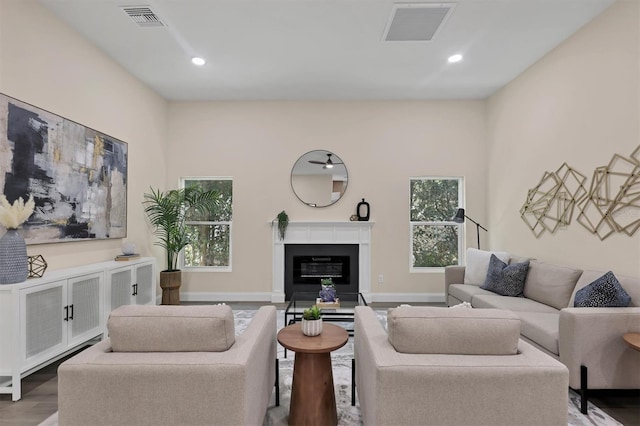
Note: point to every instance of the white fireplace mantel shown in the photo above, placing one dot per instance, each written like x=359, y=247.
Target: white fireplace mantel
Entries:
x=302, y=232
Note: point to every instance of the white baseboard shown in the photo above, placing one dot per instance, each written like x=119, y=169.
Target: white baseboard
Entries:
x=267, y=297
x=225, y=297
x=408, y=297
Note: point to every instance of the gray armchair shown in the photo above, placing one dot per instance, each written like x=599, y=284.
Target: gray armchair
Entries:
x=167, y=365
x=461, y=366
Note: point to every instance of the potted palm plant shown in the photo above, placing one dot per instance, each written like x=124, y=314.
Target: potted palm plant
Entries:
x=168, y=213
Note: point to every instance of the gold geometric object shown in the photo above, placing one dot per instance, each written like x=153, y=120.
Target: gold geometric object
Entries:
x=613, y=202
x=37, y=266
x=549, y=205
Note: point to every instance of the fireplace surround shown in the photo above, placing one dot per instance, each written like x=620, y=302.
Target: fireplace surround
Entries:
x=323, y=233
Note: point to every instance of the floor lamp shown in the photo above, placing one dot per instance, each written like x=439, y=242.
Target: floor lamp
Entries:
x=459, y=218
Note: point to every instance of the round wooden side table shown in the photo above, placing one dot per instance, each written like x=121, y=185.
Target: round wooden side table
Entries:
x=313, y=400
x=633, y=340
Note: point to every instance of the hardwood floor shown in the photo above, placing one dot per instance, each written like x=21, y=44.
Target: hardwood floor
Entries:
x=622, y=405
x=39, y=398
x=40, y=395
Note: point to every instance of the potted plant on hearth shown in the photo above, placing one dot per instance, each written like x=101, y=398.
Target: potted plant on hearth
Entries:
x=312, y=321
x=168, y=212
x=328, y=291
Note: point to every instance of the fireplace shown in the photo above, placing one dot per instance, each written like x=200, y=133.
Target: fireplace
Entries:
x=309, y=233
x=306, y=264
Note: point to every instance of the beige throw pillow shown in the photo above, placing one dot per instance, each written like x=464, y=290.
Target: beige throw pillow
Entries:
x=150, y=328
x=550, y=284
x=434, y=330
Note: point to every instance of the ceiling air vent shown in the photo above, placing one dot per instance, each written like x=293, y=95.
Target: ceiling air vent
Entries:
x=143, y=16
x=416, y=21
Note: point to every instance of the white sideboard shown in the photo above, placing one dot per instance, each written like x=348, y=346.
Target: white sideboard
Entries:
x=44, y=319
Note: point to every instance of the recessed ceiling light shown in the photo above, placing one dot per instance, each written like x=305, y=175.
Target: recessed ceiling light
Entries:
x=198, y=61
x=455, y=58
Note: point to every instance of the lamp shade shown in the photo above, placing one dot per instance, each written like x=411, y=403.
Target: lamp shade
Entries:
x=459, y=217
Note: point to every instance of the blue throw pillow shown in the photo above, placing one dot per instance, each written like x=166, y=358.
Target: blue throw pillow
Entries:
x=506, y=280
x=605, y=292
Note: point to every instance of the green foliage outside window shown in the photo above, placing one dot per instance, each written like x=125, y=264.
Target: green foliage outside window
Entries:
x=435, y=246
x=434, y=237
x=211, y=246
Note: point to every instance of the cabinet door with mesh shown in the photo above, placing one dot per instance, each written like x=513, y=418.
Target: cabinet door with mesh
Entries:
x=145, y=284
x=120, y=288
x=44, y=328
x=85, y=307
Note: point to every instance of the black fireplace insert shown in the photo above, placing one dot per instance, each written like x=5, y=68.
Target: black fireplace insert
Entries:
x=306, y=264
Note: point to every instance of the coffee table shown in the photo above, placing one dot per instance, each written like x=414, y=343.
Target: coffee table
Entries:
x=303, y=300
x=313, y=400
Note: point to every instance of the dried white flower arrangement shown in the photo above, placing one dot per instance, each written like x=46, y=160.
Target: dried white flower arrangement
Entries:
x=12, y=216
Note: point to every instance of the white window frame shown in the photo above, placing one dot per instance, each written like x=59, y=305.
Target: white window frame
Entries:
x=461, y=227
x=227, y=268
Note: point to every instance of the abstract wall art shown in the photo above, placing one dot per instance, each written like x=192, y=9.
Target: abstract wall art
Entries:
x=77, y=175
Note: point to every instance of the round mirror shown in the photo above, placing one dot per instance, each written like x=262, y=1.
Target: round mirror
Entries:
x=319, y=178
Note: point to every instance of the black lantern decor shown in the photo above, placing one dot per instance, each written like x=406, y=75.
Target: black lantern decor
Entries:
x=363, y=211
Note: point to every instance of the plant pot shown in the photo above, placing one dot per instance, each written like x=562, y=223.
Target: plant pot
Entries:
x=328, y=293
x=170, y=282
x=311, y=327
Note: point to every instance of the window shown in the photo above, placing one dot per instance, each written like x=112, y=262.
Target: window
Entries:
x=436, y=240
x=212, y=234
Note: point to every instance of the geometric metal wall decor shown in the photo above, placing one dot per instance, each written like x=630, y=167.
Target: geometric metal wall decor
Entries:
x=37, y=266
x=613, y=202
x=549, y=205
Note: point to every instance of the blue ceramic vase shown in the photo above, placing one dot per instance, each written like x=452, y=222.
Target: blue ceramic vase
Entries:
x=14, y=264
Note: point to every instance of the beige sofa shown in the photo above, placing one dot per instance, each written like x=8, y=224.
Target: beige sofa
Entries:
x=169, y=365
x=587, y=340
x=441, y=366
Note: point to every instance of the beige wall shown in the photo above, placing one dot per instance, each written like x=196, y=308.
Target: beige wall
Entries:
x=579, y=104
x=383, y=144
x=44, y=63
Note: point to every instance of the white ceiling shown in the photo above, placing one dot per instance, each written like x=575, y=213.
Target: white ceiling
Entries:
x=323, y=49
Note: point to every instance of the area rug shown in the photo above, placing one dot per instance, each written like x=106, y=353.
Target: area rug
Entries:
x=349, y=415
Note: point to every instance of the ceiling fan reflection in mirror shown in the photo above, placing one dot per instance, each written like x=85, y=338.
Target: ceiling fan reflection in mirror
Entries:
x=326, y=164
